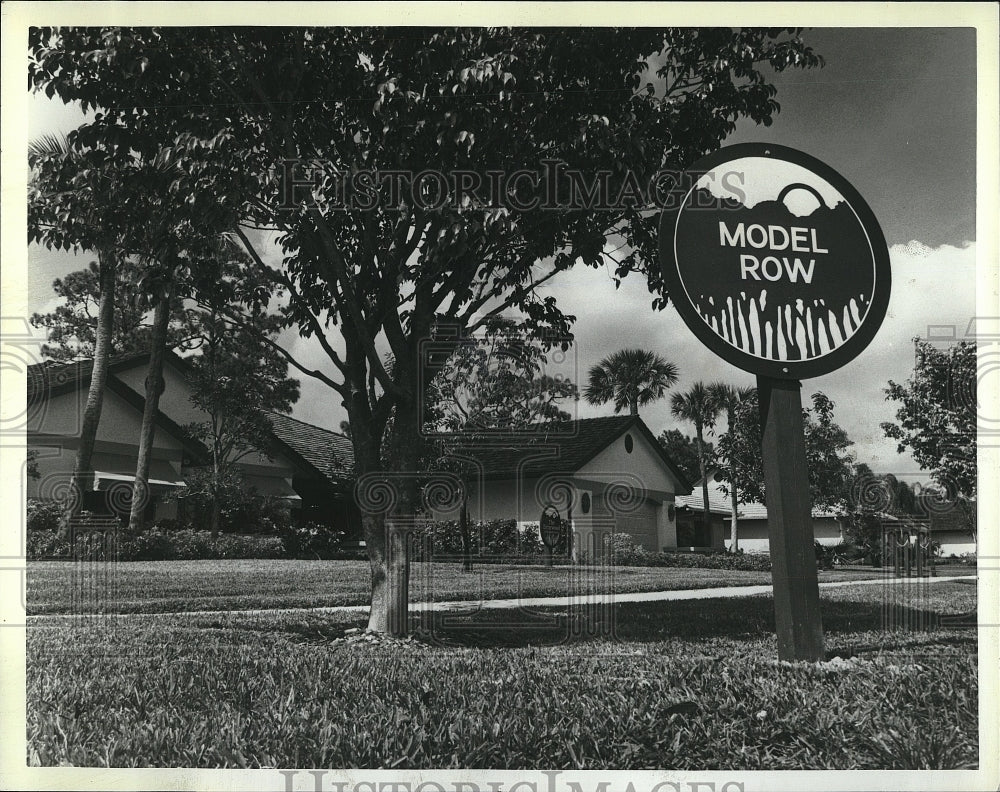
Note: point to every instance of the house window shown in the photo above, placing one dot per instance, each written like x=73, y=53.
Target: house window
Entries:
x=671, y=513
x=585, y=503
x=628, y=444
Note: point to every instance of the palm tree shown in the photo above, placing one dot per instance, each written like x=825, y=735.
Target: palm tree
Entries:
x=729, y=399
x=47, y=193
x=698, y=406
x=630, y=378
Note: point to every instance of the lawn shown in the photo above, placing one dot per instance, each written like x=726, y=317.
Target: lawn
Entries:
x=168, y=586
x=683, y=685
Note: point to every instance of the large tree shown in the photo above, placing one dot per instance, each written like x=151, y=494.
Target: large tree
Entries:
x=698, y=405
x=936, y=418
x=630, y=378
x=371, y=268
x=829, y=461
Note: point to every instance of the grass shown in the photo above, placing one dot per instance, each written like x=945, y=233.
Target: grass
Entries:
x=168, y=586
x=683, y=685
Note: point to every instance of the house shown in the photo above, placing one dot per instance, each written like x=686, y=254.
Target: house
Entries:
x=602, y=474
x=752, y=533
x=305, y=466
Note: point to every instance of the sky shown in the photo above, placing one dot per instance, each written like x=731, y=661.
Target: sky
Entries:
x=893, y=111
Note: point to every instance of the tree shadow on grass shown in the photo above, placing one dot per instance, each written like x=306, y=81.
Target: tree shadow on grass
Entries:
x=749, y=618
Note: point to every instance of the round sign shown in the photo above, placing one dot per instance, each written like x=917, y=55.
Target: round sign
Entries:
x=550, y=526
x=775, y=262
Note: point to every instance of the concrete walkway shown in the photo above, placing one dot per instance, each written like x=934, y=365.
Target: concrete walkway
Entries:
x=547, y=602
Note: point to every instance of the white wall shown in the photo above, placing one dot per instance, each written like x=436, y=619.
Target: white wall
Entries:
x=643, y=463
x=753, y=534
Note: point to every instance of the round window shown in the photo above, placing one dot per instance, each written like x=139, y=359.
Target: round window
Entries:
x=628, y=444
x=585, y=503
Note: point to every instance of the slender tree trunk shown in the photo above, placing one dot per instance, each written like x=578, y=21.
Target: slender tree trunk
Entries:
x=83, y=474
x=734, y=539
x=704, y=481
x=463, y=525
x=154, y=384
x=634, y=407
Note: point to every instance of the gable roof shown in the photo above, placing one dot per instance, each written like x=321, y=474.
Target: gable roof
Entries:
x=49, y=379
x=564, y=447
x=328, y=454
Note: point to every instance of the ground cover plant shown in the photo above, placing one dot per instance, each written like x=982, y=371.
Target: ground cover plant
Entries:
x=162, y=587
x=683, y=685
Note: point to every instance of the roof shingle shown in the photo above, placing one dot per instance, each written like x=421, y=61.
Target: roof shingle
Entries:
x=329, y=453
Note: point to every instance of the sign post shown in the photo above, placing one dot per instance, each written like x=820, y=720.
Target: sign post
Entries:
x=777, y=264
x=550, y=526
x=789, y=521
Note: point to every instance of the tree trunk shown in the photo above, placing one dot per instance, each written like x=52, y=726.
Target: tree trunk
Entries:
x=83, y=474
x=704, y=481
x=463, y=526
x=734, y=539
x=154, y=384
x=634, y=407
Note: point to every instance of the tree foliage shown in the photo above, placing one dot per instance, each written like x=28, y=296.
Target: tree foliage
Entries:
x=71, y=327
x=829, y=462
x=683, y=450
x=936, y=419
x=497, y=380
x=630, y=378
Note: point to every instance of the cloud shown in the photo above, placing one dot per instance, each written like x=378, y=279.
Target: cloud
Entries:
x=932, y=287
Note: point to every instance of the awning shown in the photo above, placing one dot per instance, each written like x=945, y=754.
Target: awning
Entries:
x=104, y=479
x=281, y=489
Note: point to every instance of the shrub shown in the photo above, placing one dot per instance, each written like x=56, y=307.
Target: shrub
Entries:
x=312, y=540
x=498, y=541
x=45, y=544
x=824, y=556
x=965, y=559
x=621, y=550
x=42, y=515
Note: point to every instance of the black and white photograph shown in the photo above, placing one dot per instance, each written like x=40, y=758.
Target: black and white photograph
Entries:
x=506, y=397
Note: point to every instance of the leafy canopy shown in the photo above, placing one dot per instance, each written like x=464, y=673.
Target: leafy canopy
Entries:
x=937, y=415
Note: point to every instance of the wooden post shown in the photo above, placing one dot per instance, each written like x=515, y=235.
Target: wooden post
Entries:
x=789, y=517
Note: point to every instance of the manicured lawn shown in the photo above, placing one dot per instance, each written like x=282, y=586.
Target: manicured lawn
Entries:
x=683, y=685
x=167, y=586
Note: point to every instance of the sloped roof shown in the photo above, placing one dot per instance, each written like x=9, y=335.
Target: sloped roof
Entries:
x=49, y=379
x=720, y=503
x=564, y=447
x=330, y=454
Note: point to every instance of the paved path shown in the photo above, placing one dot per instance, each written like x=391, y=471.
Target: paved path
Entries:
x=551, y=602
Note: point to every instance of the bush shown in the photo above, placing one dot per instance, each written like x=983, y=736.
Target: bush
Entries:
x=42, y=515
x=499, y=541
x=155, y=544
x=312, y=540
x=824, y=556
x=622, y=551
